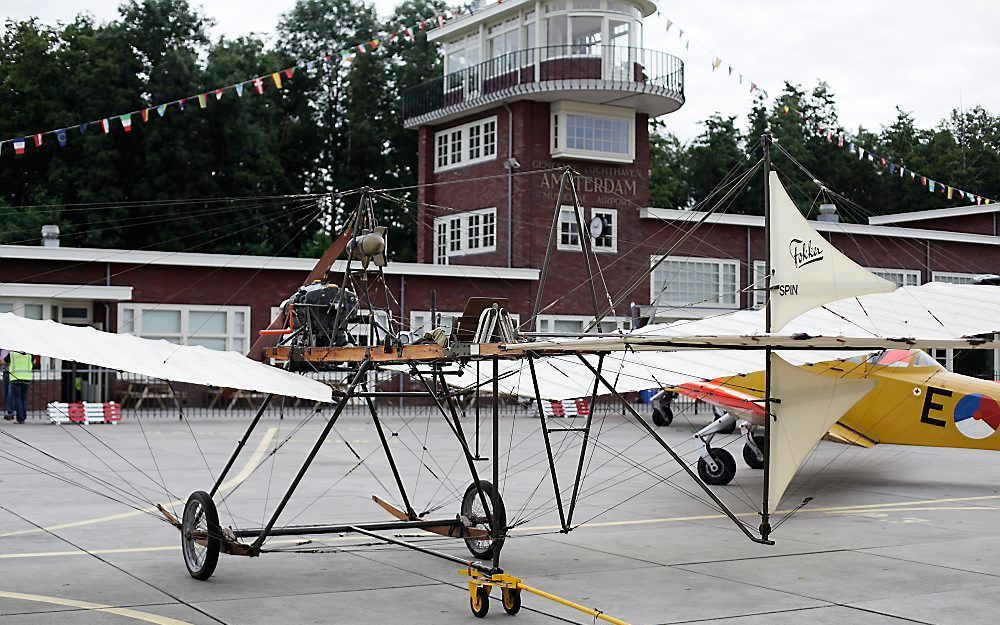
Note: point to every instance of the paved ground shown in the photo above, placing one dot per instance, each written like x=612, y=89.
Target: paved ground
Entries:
x=893, y=535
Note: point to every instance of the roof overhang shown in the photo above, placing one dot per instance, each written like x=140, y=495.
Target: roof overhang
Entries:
x=938, y=213
x=66, y=291
x=232, y=261
x=755, y=221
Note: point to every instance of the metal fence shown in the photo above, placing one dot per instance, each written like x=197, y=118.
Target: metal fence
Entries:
x=576, y=66
x=153, y=398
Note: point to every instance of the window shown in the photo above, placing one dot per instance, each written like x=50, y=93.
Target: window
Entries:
x=696, y=282
x=441, y=244
x=593, y=132
x=466, y=233
x=529, y=30
x=460, y=59
x=504, y=41
x=901, y=277
x=569, y=233
x=471, y=143
x=575, y=324
x=954, y=278
x=608, y=240
x=583, y=27
x=586, y=31
x=759, y=284
x=420, y=321
x=214, y=327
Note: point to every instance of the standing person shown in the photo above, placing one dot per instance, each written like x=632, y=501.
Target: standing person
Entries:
x=20, y=375
x=8, y=411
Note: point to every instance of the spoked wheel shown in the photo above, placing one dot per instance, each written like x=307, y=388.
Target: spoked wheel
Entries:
x=480, y=602
x=200, y=533
x=476, y=518
x=725, y=469
x=511, y=600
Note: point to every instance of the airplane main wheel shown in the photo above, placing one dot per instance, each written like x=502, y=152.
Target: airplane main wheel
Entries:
x=750, y=456
x=476, y=517
x=480, y=602
x=664, y=417
x=511, y=600
x=725, y=469
x=200, y=534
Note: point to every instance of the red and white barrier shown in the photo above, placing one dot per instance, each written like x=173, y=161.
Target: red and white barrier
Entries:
x=566, y=408
x=84, y=412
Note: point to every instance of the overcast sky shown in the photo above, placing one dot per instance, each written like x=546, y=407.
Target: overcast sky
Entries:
x=925, y=57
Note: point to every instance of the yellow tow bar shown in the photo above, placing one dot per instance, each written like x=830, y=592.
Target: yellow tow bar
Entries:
x=481, y=584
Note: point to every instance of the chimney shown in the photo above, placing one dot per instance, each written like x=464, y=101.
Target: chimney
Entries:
x=828, y=212
x=50, y=235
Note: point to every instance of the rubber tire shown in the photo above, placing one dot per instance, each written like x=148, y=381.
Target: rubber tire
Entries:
x=214, y=543
x=511, y=600
x=728, y=430
x=727, y=469
x=483, y=597
x=750, y=457
x=663, y=419
x=471, y=496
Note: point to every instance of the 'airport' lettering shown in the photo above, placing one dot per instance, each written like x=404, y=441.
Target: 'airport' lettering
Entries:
x=933, y=405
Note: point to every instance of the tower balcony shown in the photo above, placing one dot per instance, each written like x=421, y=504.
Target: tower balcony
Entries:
x=648, y=81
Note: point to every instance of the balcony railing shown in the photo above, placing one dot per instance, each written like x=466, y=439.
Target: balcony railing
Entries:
x=577, y=66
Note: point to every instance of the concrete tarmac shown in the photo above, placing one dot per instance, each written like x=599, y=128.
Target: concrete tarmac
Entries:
x=892, y=535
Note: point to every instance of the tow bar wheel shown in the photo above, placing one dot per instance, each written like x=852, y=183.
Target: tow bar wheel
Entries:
x=511, y=600
x=479, y=601
x=474, y=515
x=200, y=534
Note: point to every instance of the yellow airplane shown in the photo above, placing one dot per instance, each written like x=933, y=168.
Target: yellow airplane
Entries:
x=915, y=401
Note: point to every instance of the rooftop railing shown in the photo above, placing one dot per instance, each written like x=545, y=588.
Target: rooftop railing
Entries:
x=570, y=67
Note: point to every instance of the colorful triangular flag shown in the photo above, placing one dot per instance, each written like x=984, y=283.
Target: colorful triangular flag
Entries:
x=106, y=125
x=289, y=72
x=19, y=146
x=276, y=77
x=239, y=89
x=83, y=127
x=218, y=93
x=61, y=137
x=669, y=24
x=145, y=115
x=202, y=100
x=161, y=110
x=38, y=140
x=258, y=85
x=126, y=120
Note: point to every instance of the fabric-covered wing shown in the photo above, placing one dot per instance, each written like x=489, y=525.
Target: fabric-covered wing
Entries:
x=156, y=359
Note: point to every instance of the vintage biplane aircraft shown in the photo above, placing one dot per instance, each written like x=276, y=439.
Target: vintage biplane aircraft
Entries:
x=817, y=302
x=915, y=401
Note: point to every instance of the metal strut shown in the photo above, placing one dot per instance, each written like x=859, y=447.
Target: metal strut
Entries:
x=241, y=443
x=358, y=377
x=673, y=454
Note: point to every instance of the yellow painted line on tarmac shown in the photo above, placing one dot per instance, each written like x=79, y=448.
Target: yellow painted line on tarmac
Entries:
x=120, y=550
x=231, y=483
x=899, y=506
x=136, y=615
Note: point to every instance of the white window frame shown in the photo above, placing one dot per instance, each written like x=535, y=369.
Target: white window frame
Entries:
x=546, y=323
x=231, y=337
x=613, y=213
x=954, y=277
x=906, y=274
x=759, y=298
x=456, y=234
x=420, y=321
x=735, y=263
x=558, y=135
x=458, y=147
x=566, y=216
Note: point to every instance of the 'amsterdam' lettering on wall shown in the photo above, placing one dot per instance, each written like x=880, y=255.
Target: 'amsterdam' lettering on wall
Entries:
x=550, y=180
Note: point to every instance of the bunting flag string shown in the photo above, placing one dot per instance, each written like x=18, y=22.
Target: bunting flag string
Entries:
x=844, y=140
x=345, y=56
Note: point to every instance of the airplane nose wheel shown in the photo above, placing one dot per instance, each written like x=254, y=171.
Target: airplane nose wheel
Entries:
x=750, y=455
x=200, y=534
x=475, y=517
x=722, y=473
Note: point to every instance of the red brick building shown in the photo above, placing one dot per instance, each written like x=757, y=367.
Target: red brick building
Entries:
x=529, y=87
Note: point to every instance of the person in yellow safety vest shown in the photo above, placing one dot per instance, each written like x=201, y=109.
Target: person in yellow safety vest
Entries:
x=20, y=374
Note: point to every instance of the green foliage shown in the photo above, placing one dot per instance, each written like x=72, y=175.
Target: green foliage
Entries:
x=333, y=128
x=963, y=151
